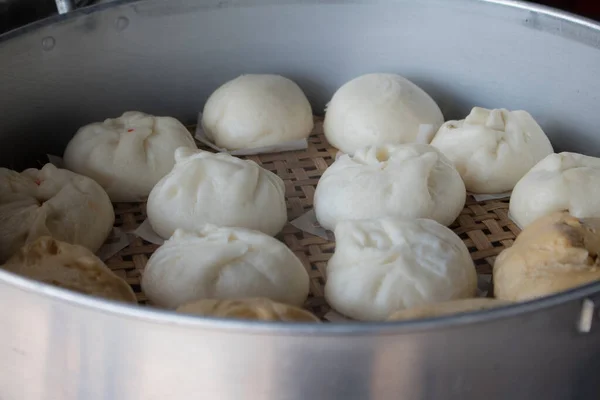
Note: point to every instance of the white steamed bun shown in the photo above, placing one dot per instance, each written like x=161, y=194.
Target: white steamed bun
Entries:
x=219, y=189
x=223, y=263
x=493, y=149
x=376, y=109
x=127, y=155
x=410, y=180
x=255, y=111
x=384, y=265
x=52, y=202
x=560, y=182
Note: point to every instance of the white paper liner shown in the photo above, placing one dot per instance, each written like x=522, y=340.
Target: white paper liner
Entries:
x=514, y=221
x=301, y=144
x=117, y=241
x=338, y=155
x=484, y=283
x=146, y=232
x=307, y=222
x=493, y=196
x=56, y=161
x=334, y=316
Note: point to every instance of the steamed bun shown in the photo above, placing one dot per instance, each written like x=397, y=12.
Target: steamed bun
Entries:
x=384, y=265
x=127, y=155
x=260, y=309
x=219, y=189
x=223, y=263
x=411, y=180
x=70, y=267
x=493, y=149
x=377, y=109
x=560, y=182
x=555, y=253
x=52, y=202
x=255, y=111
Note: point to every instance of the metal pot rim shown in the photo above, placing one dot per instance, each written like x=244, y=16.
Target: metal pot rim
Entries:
x=167, y=317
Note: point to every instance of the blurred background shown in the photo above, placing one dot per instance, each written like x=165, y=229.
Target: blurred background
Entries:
x=15, y=13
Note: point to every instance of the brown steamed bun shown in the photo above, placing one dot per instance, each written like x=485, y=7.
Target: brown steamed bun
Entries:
x=555, y=253
x=70, y=267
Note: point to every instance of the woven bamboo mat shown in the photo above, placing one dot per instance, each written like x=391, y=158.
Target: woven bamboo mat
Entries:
x=483, y=226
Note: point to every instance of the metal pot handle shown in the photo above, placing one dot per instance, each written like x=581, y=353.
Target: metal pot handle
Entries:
x=64, y=6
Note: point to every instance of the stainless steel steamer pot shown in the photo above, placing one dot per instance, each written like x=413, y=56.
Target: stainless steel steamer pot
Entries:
x=166, y=57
